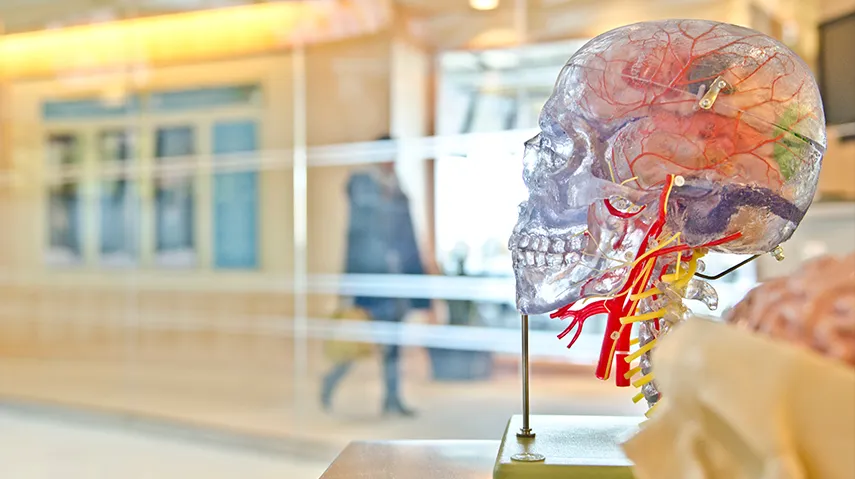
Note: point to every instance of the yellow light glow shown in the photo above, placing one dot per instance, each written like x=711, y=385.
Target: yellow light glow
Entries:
x=185, y=37
x=484, y=4
x=495, y=38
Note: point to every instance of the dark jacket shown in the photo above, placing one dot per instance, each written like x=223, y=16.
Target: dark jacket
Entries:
x=381, y=240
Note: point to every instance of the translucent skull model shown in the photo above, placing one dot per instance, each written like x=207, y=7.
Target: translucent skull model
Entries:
x=704, y=135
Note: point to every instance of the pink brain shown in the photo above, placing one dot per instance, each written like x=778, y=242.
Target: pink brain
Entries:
x=759, y=130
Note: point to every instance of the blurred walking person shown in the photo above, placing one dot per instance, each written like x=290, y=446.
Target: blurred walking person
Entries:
x=380, y=240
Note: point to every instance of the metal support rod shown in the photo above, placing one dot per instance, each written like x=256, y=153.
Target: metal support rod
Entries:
x=525, y=431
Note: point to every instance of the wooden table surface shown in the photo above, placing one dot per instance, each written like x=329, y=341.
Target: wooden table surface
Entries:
x=415, y=460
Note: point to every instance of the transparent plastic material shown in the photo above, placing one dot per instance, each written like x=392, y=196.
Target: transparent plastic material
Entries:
x=733, y=114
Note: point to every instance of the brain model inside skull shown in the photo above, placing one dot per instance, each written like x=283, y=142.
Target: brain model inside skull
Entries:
x=661, y=141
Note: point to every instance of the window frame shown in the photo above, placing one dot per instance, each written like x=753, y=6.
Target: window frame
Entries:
x=142, y=172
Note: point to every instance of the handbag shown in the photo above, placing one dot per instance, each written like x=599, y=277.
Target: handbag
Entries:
x=339, y=348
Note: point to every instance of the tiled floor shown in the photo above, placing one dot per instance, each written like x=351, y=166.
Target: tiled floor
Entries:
x=38, y=448
x=261, y=402
x=245, y=390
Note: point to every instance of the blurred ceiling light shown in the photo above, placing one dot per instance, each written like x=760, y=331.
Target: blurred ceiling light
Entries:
x=187, y=37
x=495, y=38
x=484, y=4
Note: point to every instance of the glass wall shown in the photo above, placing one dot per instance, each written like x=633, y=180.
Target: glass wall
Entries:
x=296, y=232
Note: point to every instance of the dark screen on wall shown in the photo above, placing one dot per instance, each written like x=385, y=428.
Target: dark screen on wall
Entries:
x=837, y=69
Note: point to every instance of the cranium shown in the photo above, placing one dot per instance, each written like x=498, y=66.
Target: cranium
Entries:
x=625, y=113
x=728, y=120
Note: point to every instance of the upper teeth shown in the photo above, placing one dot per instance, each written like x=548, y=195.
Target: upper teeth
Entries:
x=539, y=250
x=529, y=242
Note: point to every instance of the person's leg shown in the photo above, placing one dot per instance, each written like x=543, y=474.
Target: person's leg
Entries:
x=331, y=380
x=392, y=380
x=391, y=377
x=392, y=313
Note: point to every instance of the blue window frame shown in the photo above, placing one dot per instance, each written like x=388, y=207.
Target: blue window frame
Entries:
x=118, y=200
x=64, y=210
x=88, y=108
x=174, y=201
x=235, y=197
x=203, y=98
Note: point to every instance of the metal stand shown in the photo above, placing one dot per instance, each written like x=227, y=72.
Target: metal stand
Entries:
x=525, y=431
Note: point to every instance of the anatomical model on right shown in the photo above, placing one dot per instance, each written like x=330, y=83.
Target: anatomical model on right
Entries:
x=661, y=141
x=768, y=393
x=814, y=308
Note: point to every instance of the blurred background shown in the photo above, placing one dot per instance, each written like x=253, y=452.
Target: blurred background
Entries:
x=194, y=195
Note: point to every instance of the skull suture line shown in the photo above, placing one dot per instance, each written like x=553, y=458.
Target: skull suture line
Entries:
x=661, y=141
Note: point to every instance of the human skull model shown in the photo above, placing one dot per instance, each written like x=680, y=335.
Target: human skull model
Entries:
x=675, y=137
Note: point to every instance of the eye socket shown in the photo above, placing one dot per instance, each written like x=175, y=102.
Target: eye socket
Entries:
x=547, y=157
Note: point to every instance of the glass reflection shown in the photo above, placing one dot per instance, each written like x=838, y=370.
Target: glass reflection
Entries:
x=64, y=210
x=174, y=197
x=173, y=159
x=119, y=207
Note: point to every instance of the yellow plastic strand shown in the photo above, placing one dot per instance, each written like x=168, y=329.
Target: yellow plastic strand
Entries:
x=642, y=317
x=638, y=352
x=679, y=278
x=670, y=278
x=679, y=260
x=650, y=252
x=632, y=372
x=628, y=180
x=676, y=278
x=693, y=267
x=644, y=276
x=650, y=411
x=612, y=352
x=646, y=294
x=643, y=380
x=625, y=265
x=668, y=195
